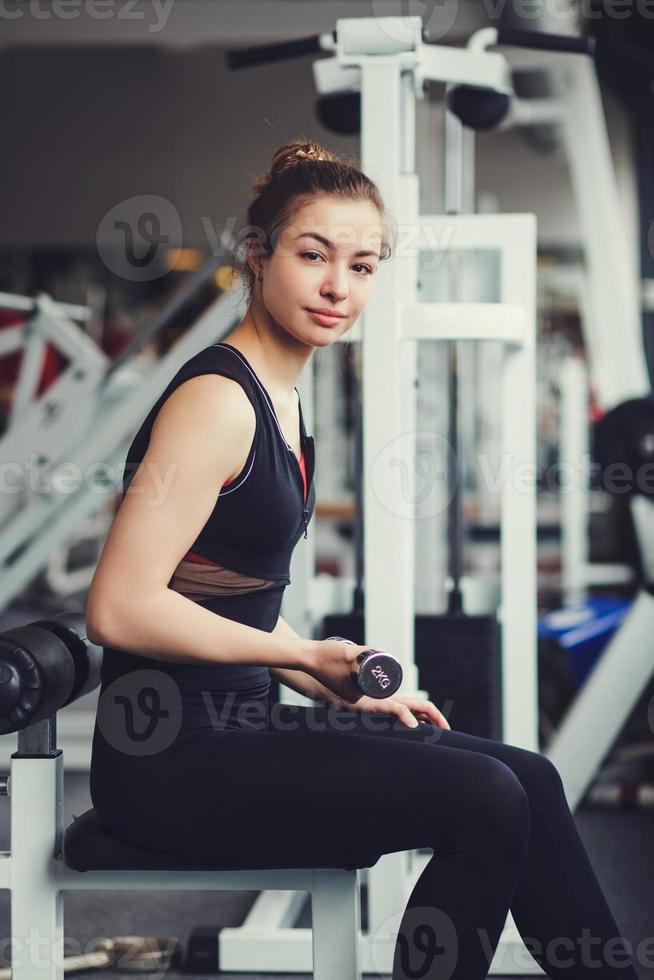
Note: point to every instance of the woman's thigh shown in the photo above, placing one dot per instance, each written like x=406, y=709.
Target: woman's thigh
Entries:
x=317, y=718
x=538, y=776
x=316, y=785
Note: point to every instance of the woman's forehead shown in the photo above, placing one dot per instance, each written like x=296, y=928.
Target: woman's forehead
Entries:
x=349, y=227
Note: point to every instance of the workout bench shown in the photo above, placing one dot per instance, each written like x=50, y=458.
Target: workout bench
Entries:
x=44, y=666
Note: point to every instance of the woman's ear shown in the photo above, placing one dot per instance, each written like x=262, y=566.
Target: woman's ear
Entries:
x=249, y=258
x=254, y=262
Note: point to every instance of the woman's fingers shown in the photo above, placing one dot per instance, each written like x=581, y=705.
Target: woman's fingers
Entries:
x=407, y=716
x=409, y=710
x=434, y=714
x=430, y=711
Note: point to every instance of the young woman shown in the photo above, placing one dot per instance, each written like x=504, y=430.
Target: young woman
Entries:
x=190, y=756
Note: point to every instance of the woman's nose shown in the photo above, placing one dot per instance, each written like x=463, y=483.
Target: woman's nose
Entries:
x=336, y=285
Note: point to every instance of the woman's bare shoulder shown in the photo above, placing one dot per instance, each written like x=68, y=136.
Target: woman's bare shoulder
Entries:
x=223, y=399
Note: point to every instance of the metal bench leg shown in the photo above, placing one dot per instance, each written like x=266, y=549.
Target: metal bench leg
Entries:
x=336, y=924
x=37, y=905
x=37, y=931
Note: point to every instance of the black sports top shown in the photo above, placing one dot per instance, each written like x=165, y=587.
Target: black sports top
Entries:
x=256, y=522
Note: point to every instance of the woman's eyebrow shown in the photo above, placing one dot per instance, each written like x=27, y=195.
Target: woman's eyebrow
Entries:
x=328, y=244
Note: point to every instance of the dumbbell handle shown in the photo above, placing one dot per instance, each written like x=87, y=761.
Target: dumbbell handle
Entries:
x=379, y=674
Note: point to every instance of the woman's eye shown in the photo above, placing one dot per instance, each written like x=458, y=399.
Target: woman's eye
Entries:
x=361, y=265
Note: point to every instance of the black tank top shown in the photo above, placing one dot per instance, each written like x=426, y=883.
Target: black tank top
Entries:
x=256, y=522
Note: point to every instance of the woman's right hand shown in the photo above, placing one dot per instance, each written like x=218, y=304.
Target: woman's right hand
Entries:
x=333, y=664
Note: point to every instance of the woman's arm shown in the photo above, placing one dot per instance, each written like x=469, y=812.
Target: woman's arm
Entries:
x=298, y=680
x=197, y=443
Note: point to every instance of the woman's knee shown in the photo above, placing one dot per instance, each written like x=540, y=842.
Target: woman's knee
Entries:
x=547, y=772
x=538, y=774
x=508, y=799
x=498, y=813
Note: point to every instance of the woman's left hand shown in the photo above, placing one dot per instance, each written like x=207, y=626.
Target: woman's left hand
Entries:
x=407, y=708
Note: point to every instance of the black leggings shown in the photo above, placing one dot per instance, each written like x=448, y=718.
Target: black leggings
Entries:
x=312, y=786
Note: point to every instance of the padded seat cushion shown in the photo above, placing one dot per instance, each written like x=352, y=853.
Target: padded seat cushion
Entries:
x=88, y=846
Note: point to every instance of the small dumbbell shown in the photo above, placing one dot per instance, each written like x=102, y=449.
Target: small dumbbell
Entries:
x=379, y=674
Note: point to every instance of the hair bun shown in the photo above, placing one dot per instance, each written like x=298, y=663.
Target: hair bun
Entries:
x=295, y=152
x=291, y=154
x=309, y=153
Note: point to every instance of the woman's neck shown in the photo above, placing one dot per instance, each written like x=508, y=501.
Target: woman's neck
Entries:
x=275, y=361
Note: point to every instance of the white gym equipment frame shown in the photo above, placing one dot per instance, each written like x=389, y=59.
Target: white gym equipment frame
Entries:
x=577, y=571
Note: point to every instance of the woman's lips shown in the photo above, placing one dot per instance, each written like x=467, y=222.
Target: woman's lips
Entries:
x=324, y=320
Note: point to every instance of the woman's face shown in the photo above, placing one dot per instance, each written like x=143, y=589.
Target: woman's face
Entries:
x=306, y=273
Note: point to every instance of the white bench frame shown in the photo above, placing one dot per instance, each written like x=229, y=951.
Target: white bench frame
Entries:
x=35, y=872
